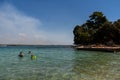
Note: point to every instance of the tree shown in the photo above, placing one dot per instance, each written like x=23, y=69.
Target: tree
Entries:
x=76, y=33
x=103, y=34
x=97, y=30
x=117, y=24
x=97, y=19
x=81, y=36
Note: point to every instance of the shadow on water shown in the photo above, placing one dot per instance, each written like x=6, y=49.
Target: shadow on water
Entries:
x=94, y=65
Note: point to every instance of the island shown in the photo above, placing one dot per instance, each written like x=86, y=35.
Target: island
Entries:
x=97, y=34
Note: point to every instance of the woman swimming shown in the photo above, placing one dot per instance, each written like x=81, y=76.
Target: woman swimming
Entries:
x=21, y=54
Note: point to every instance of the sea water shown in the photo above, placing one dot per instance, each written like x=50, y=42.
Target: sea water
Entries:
x=57, y=63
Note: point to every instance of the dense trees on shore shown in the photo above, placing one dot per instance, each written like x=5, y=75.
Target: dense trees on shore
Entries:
x=97, y=30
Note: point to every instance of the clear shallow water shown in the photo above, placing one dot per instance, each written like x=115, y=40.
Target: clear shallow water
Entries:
x=58, y=63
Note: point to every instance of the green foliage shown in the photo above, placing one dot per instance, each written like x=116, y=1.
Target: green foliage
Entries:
x=97, y=19
x=97, y=30
x=81, y=35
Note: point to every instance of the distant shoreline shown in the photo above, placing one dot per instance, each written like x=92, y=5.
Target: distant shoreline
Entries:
x=38, y=46
x=33, y=45
x=105, y=48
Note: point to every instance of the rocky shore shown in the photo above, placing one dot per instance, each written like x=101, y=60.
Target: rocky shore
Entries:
x=115, y=48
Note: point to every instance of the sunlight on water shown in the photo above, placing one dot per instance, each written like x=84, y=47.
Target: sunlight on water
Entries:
x=57, y=63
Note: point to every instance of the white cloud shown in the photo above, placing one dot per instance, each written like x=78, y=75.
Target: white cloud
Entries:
x=22, y=34
x=18, y=28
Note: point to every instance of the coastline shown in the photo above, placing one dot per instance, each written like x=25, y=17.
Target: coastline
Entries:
x=105, y=48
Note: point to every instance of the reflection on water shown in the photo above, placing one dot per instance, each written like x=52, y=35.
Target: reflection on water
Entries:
x=58, y=63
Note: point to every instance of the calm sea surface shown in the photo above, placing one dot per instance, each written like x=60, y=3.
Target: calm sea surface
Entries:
x=58, y=63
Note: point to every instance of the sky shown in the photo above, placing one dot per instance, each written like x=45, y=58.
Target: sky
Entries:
x=49, y=22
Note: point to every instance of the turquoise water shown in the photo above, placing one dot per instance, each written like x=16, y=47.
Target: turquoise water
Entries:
x=58, y=63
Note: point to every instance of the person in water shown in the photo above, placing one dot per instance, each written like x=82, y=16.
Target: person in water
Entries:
x=21, y=54
x=29, y=52
x=33, y=57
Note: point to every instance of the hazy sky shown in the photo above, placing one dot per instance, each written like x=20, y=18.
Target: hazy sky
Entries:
x=48, y=21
